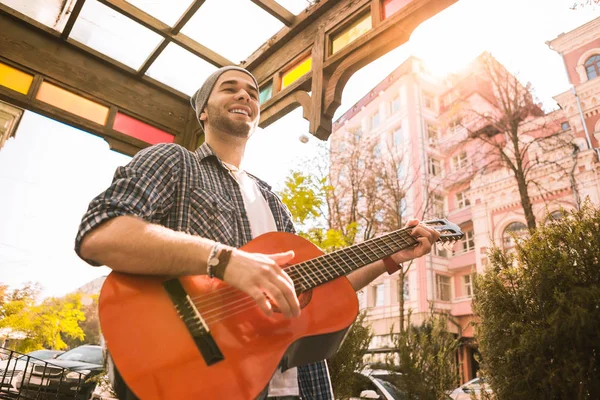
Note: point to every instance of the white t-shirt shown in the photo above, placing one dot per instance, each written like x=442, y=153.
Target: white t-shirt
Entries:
x=262, y=221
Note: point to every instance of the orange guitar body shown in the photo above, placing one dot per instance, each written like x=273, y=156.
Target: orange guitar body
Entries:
x=158, y=358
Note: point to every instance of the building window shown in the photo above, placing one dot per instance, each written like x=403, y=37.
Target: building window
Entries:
x=435, y=167
x=455, y=125
x=592, y=66
x=564, y=126
x=440, y=251
x=375, y=120
x=512, y=232
x=462, y=200
x=467, y=243
x=379, y=298
x=467, y=289
x=398, y=136
x=443, y=288
x=396, y=104
x=460, y=161
x=437, y=206
x=433, y=135
x=428, y=100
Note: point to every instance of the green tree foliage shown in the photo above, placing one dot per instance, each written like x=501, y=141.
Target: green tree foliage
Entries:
x=304, y=195
x=426, y=359
x=539, y=309
x=343, y=366
x=90, y=325
x=43, y=324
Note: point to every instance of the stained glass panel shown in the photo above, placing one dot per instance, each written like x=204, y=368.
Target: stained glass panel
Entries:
x=141, y=130
x=296, y=72
x=73, y=103
x=14, y=79
x=350, y=34
x=391, y=7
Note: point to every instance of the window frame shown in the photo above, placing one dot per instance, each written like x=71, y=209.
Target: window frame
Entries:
x=441, y=287
x=592, y=62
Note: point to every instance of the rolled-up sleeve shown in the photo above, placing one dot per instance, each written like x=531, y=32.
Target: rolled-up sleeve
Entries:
x=145, y=188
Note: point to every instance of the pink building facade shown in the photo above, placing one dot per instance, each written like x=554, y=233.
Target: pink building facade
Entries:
x=414, y=114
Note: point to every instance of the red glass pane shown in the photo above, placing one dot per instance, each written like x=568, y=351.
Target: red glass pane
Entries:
x=140, y=130
x=392, y=6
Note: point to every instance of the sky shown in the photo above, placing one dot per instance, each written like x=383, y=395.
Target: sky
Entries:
x=50, y=171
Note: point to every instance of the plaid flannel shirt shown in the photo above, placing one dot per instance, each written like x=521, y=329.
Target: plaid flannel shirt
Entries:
x=192, y=192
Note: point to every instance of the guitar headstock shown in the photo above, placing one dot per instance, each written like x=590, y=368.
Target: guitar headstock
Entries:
x=449, y=233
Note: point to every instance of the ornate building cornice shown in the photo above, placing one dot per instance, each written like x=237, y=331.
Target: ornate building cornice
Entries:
x=578, y=37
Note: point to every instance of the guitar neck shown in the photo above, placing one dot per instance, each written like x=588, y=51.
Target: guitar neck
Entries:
x=317, y=271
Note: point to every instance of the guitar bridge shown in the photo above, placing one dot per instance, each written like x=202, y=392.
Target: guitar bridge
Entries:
x=193, y=321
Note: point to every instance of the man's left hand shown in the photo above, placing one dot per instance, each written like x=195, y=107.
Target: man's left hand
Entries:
x=426, y=238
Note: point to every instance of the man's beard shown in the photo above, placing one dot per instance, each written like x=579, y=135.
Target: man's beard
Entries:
x=220, y=121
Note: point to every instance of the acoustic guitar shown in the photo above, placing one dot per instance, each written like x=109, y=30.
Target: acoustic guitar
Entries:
x=199, y=338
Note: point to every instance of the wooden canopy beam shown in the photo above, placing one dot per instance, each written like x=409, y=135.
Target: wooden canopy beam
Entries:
x=51, y=56
x=159, y=27
x=276, y=10
x=48, y=58
x=330, y=72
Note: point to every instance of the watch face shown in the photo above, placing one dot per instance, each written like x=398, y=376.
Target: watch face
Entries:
x=213, y=262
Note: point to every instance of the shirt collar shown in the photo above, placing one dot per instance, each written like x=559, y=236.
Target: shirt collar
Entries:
x=205, y=151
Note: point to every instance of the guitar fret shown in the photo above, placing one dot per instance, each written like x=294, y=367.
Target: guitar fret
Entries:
x=330, y=266
x=319, y=270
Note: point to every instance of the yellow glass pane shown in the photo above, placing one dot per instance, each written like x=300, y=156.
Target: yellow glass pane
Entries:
x=293, y=74
x=14, y=79
x=353, y=32
x=73, y=103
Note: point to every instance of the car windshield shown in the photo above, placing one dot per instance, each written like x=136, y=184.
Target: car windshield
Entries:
x=392, y=390
x=92, y=355
x=40, y=354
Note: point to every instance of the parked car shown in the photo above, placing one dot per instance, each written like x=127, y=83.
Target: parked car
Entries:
x=13, y=367
x=68, y=376
x=378, y=384
x=474, y=386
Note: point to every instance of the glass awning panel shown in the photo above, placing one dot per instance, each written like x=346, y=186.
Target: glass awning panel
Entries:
x=168, y=12
x=52, y=13
x=108, y=32
x=178, y=68
x=232, y=28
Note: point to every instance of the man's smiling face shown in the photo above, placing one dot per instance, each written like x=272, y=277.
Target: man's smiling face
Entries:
x=232, y=106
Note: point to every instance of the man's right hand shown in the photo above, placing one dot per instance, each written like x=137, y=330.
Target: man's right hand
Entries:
x=261, y=275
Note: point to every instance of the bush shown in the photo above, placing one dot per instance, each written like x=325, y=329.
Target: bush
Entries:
x=427, y=359
x=349, y=359
x=539, y=310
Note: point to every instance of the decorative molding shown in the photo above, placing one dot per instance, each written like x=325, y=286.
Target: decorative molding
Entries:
x=576, y=38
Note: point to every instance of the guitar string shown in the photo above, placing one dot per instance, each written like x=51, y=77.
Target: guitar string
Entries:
x=224, y=296
x=224, y=309
x=292, y=271
x=248, y=303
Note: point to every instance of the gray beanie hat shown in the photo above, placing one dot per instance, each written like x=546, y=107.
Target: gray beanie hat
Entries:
x=199, y=99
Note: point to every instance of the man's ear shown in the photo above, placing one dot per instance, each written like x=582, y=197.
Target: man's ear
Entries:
x=203, y=115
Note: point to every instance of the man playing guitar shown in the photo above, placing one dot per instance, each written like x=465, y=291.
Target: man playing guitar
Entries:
x=173, y=212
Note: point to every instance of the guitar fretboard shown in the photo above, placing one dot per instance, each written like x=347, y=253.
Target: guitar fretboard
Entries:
x=320, y=270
